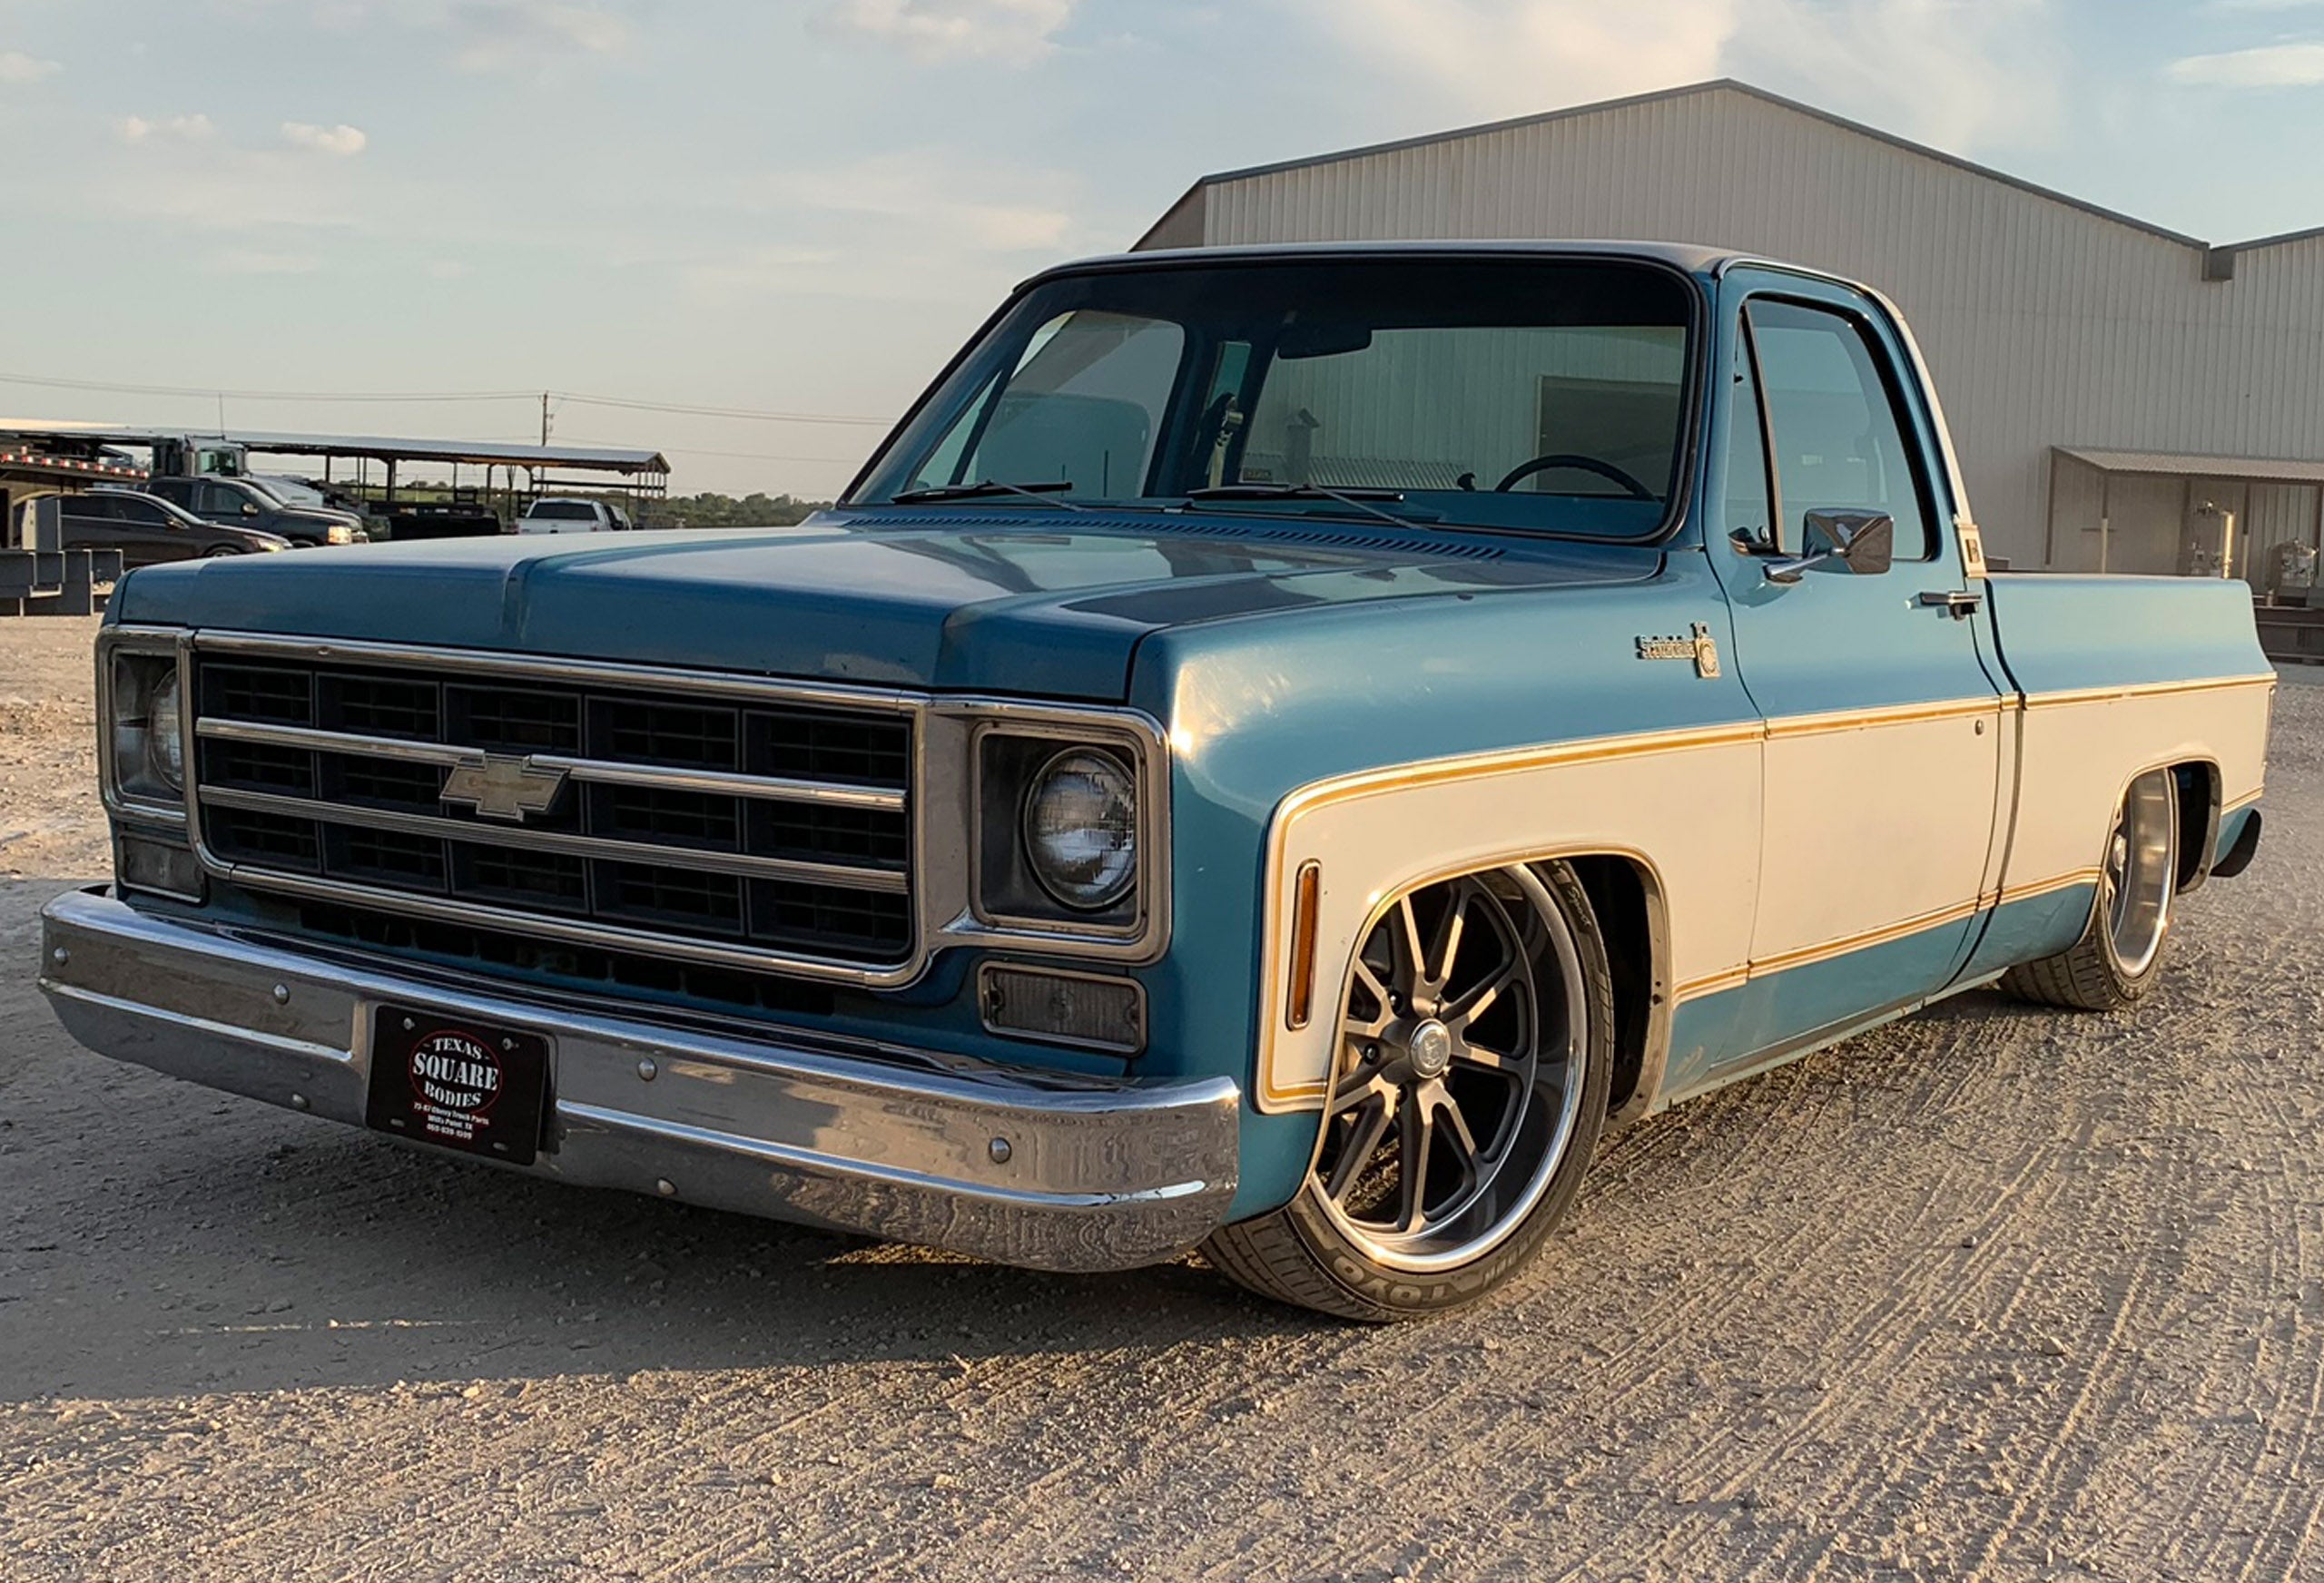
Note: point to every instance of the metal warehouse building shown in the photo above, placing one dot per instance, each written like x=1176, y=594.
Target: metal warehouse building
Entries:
x=2106, y=379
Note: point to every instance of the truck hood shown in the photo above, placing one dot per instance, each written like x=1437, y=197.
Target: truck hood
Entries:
x=971, y=601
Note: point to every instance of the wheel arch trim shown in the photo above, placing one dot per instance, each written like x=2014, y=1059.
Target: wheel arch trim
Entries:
x=1653, y=1055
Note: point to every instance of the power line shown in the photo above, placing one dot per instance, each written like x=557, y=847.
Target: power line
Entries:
x=692, y=409
x=738, y=456
x=697, y=412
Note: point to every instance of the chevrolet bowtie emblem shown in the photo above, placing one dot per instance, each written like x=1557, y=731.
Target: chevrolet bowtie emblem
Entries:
x=499, y=787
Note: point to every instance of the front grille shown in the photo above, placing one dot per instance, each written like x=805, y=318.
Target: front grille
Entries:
x=742, y=829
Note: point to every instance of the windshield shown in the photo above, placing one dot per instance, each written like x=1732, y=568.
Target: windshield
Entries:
x=1544, y=394
x=289, y=491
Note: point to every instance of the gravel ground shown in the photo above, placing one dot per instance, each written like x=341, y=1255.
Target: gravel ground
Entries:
x=1994, y=1292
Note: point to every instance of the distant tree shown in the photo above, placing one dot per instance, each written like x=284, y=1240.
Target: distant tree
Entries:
x=756, y=509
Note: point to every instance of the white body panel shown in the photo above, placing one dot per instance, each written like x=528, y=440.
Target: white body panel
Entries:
x=1688, y=805
x=1875, y=820
x=2082, y=750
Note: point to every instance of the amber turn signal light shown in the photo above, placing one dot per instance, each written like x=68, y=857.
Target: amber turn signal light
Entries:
x=1305, y=895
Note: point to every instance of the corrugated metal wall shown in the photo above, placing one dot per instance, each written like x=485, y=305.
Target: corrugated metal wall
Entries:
x=2045, y=324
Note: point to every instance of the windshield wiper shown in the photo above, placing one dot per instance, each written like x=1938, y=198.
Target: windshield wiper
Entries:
x=1354, y=497
x=1044, y=491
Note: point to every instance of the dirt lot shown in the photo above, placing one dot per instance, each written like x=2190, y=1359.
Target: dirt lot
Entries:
x=1994, y=1294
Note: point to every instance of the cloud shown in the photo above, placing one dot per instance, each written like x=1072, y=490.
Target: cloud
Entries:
x=485, y=35
x=502, y=35
x=921, y=188
x=1485, y=59
x=341, y=141
x=1980, y=72
x=17, y=68
x=249, y=261
x=2275, y=65
x=1014, y=31
x=177, y=128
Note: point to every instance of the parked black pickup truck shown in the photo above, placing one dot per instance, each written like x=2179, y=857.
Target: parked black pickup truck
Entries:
x=244, y=503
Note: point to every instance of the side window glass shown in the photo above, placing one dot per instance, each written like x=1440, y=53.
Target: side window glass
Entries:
x=1838, y=442
x=1750, y=507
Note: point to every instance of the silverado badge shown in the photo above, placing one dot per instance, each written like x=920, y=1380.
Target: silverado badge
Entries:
x=500, y=787
x=1701, y=648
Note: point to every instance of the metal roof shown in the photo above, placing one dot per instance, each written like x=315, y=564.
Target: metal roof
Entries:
x=598, y=458
x=1730, y=84
x=2178, y=465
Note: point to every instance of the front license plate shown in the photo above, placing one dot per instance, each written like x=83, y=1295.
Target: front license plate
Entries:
x=458, y=1085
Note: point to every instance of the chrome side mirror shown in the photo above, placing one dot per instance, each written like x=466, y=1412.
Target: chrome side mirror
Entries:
x=1862, y=542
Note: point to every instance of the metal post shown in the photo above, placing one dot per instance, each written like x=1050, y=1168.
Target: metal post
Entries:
x=2105, y=518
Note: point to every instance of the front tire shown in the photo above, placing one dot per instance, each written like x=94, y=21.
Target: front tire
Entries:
x=2120, y=953
x=1476, y=1043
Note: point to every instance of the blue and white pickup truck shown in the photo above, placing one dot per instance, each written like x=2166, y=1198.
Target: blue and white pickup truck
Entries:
x=1276, y=753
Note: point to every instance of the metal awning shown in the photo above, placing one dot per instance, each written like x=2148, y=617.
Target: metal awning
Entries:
x=375, y=447
x=381, y=447
x=2178, y=465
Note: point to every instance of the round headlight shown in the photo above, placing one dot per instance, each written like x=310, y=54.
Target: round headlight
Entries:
x=167, y=732
x=1081, y=829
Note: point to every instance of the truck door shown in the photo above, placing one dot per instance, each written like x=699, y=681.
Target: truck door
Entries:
x=1884, y=749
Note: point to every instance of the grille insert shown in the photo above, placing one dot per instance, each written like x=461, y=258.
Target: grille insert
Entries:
x=746, y=831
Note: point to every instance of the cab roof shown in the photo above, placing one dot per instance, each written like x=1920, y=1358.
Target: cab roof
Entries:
x=1689, y=257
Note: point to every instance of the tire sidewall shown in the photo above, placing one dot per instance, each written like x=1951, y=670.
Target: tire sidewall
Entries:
x=1394, y=1293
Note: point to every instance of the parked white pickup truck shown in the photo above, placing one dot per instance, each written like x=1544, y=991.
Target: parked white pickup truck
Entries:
x=568, y=514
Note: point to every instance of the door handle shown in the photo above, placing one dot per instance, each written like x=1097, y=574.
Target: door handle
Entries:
x=1959, y=603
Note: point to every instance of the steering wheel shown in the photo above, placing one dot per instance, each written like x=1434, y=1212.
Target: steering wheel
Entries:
x=1606, y=470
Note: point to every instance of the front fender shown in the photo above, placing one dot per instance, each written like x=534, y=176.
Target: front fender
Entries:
x=1402, y=742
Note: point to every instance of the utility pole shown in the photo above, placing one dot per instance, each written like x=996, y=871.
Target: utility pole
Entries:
x=543, y=417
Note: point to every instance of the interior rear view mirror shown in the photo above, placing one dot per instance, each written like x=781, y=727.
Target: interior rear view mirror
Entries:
x=1321, y=340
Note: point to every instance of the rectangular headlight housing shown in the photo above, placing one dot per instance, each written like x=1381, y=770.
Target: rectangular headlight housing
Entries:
x=141, y=729
x=1069, y=829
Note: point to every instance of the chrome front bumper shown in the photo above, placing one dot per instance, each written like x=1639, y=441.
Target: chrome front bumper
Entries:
x=1055, y=1173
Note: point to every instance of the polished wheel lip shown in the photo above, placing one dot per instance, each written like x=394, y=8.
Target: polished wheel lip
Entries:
x=1548, y=1075
x=2138, y=878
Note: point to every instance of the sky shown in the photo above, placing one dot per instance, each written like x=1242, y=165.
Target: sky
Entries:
x=799, y=208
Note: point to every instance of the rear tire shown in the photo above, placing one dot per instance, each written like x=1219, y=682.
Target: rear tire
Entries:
x=1476, y=1036
x=2120, y=953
